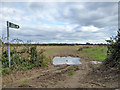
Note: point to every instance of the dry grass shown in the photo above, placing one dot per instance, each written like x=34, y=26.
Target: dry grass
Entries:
x=61, y=50
x=53, y=50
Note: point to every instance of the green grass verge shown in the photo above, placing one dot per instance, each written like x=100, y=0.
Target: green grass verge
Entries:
x=99, y=53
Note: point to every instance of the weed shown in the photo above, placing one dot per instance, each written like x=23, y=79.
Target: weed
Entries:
x=22, y=83
x=6, y=70
x=70, y=73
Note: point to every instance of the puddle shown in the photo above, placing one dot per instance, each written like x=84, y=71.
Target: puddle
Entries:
x=96, y=62
x=66, y=60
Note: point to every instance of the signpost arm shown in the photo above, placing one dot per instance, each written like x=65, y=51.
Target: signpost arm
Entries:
x=8, y=43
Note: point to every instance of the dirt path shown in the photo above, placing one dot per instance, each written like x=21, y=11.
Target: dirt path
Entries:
x=70, y=82
x=57, y=77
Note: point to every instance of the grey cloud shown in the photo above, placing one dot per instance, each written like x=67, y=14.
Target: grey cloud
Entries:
x=89, y=16
x=95, y=13
x=100, y=15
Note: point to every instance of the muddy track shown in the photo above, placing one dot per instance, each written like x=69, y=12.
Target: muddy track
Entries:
x=85, y=76
x=42, y=76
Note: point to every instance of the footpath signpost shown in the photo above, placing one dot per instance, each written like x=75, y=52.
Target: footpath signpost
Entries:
x=11, y=25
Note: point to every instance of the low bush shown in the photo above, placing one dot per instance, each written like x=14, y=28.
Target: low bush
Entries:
x=24, y=59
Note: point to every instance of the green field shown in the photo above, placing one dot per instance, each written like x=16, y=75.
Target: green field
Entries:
x=99, y=53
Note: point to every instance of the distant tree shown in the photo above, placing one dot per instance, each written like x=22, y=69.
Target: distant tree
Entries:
x=17, y=41
x=3, y=39
x=87, y=43
x=29, y=42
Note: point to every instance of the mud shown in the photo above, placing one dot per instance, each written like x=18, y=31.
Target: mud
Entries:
x=86, y=75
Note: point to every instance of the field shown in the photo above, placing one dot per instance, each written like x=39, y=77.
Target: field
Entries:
x=34, y=65
x=97, y=53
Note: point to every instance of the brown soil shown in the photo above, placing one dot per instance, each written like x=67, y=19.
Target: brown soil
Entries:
x=86, y=75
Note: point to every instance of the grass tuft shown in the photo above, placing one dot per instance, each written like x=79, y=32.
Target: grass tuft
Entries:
x=71, y=71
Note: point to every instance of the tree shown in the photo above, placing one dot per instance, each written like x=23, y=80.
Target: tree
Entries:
x=113, y=58
x=87, y=43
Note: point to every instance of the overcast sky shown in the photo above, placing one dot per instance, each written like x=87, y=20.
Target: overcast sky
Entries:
x=63, y=22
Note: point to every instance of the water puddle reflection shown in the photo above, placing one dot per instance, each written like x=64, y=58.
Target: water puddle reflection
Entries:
x=66, y=60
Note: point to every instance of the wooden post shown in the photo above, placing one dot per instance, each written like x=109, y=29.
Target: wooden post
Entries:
x=8, y=43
